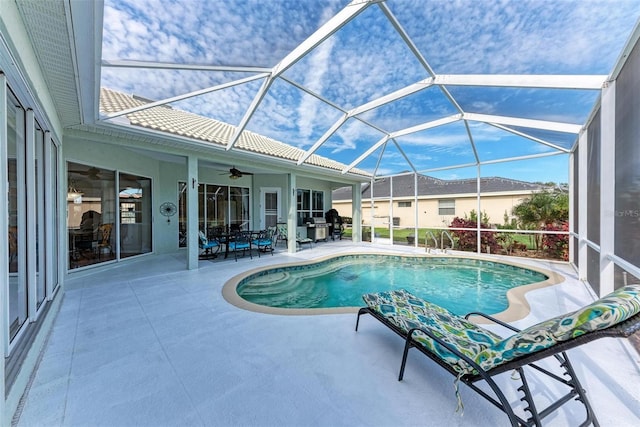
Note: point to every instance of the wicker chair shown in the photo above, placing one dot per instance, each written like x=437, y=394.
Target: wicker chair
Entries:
x=474, y=354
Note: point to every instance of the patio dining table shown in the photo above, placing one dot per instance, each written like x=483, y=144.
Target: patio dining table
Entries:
x=227, y=238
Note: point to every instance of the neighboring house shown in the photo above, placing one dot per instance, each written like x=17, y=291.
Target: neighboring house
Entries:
x=438, y=201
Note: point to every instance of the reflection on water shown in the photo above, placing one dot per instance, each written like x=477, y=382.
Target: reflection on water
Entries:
x=459, y=284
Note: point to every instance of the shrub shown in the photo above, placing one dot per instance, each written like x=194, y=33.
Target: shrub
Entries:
x=556, y=245
x=467, y=241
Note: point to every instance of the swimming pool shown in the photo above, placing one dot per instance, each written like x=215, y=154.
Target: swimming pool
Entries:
x=459, y=284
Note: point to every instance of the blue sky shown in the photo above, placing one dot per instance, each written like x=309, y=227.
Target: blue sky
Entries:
x=367, y=59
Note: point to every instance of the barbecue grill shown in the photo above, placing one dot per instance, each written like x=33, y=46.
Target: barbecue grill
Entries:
x=317, y=228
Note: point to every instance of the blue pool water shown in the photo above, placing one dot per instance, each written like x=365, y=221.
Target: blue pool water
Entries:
x=459, y=284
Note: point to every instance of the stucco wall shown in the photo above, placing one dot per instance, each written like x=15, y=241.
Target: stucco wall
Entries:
x=495, y=207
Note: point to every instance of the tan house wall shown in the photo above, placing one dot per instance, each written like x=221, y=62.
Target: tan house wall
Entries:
x=495, y=207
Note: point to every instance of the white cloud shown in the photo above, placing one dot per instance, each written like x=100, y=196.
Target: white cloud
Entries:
x=367, y=59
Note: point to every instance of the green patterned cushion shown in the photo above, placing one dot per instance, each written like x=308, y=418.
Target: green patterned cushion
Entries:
x=603, y=313
x=407, y=311
x=612, y=309
x=534, y=338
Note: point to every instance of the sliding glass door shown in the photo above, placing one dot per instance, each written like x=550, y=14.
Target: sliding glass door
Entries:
x=91, y=214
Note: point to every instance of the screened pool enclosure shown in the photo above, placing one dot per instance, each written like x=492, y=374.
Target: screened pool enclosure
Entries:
x=423, y=113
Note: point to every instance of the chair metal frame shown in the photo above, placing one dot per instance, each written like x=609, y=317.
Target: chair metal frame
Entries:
x=558, y=351
x=241, y=242
x=207, y=245
x=264, y=241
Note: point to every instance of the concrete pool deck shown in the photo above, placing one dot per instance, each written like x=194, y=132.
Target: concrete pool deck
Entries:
x=149, y=343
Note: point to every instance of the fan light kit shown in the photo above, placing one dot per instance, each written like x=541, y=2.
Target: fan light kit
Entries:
x=236, y=173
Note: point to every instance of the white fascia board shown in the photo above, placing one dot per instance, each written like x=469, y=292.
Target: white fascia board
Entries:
x=408, y=90
x=181, y=97
x=527, y=123
x=322, y=139
x=366, y=154
x=428, y=125
x=175, y=66
x=327, y=30
x=587, y=82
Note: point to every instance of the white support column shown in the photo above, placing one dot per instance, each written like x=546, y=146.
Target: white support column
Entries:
x=416, y=225
x=356, y=213
x=192, y=213
x=583, y=259
x=479, y=218
x=391, y=210
x=292, y=218
x=372, y=216
x=572, y=205
x=607, y=187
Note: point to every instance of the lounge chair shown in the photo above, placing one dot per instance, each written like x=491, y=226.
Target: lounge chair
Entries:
x=474, y=354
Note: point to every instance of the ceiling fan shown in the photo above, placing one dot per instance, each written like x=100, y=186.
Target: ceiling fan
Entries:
x=91, y=173
x=235, y=173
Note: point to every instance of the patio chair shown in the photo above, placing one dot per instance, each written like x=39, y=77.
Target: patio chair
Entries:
x=264, y=241
x=103, y=242
x=303, y=240
x=209, y=248
x=283, y=233
x=474, y=354
x=241, y=242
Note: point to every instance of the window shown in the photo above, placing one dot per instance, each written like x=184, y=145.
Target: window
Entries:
x=404, y=204
x=447, y=207
x=135, y=217
x=220, y=207
x=318, y=203
x=310, y=204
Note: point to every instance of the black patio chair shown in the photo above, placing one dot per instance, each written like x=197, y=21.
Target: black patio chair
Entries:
x=241, y=242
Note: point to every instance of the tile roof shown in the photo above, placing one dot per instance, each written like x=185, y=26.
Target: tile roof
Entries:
x=182, y=123
x=403, y=186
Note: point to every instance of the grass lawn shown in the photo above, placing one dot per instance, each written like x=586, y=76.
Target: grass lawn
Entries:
x=400, y=235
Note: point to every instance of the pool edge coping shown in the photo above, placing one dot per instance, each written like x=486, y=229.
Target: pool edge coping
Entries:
x=518, y=306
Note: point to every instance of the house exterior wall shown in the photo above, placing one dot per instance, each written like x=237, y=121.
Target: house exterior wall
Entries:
x=494, y=205
x=35, y=329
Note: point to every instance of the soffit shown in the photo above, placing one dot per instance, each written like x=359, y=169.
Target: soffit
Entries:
x=46, y=24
